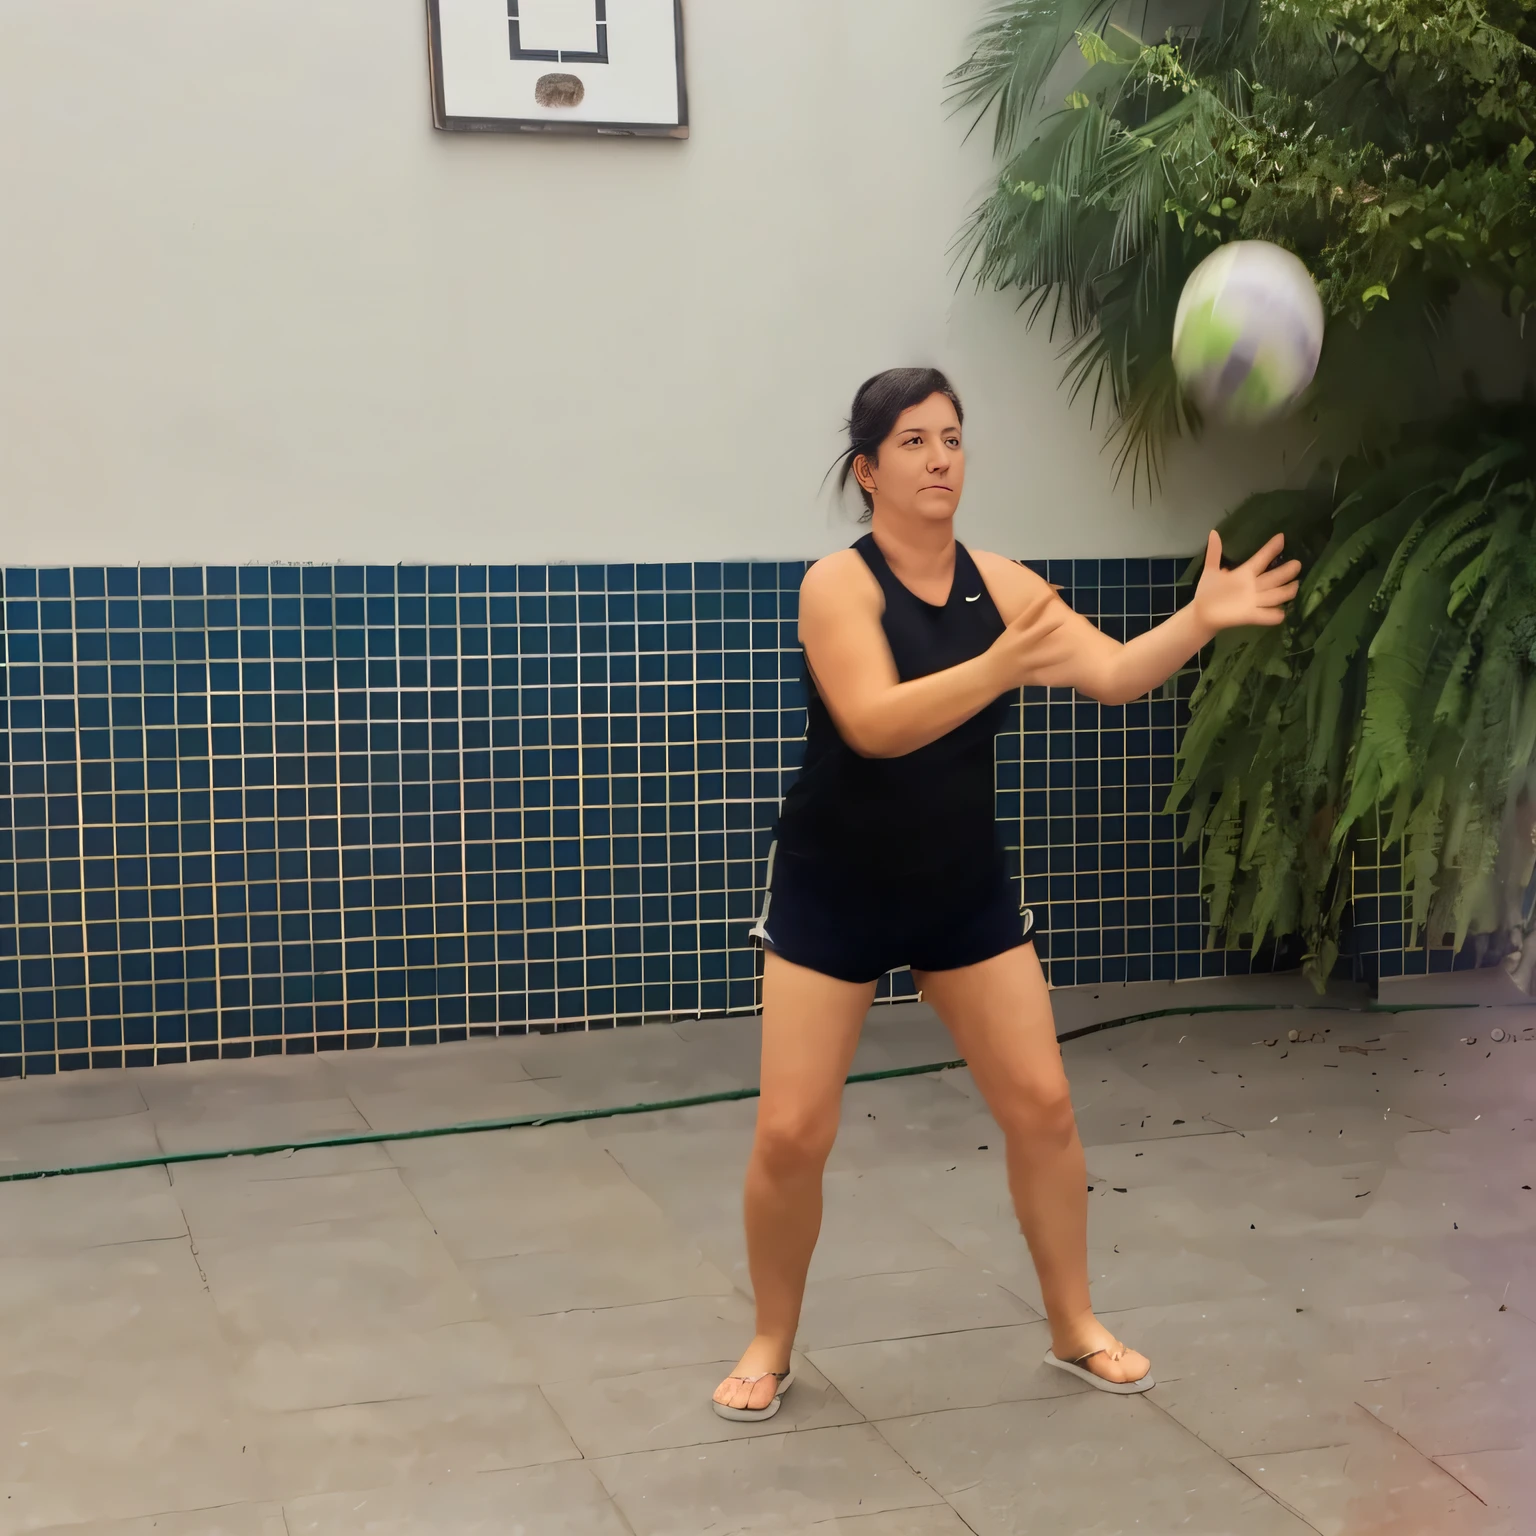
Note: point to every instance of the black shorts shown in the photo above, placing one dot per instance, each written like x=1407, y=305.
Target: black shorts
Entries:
x=819, y=917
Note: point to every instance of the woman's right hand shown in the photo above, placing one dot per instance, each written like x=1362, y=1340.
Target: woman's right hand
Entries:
x=1032, y=642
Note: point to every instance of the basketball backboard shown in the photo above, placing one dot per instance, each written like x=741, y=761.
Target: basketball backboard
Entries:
x=598, y=66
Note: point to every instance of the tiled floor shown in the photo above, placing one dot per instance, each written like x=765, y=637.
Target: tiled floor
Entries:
x=1330, y=1254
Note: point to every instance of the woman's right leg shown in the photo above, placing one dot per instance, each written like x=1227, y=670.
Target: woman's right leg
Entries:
x=811, y=1029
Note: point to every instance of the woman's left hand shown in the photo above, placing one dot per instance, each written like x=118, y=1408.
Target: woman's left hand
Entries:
x=1249, y=593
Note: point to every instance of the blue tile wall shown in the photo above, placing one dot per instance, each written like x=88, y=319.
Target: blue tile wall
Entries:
x=294, y=808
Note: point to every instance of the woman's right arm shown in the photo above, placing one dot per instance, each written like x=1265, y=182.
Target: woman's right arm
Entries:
x=876, y=713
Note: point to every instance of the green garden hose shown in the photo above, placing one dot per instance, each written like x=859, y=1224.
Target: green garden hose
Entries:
x=568, y=1116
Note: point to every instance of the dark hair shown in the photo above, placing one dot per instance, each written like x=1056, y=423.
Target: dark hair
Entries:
x=876, y=409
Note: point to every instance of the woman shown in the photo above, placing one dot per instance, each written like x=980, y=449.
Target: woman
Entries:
x=887, y=855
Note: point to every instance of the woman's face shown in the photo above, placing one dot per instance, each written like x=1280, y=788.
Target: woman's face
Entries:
x=920, y=471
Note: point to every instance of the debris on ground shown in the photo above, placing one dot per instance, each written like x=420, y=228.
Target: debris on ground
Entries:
x=1495, y=1034
x=1362, y=1050
x=1469, y=1039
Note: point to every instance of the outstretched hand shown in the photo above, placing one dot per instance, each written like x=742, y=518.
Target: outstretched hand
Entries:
x=1249, y=593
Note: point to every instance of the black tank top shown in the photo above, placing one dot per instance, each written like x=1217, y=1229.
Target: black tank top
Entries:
x=931, y=813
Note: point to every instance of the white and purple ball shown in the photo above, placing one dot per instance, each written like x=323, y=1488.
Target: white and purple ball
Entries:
x=1248, y=333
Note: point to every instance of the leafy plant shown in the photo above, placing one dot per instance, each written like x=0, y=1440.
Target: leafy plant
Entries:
x=1398, y=702
x=1389, y=143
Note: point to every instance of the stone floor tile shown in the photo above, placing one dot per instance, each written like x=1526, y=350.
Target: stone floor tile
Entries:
x=367, y=1445
x=124, y=1438
x=335, y=1279
x=213, y=1129
x=441, y=1101
x=26, y=1147
x=222, y=1200
x=1089, y=1463
x=479, y=1216
x=229, y=1520
x=565, y=1499
x=47, y=1216
x=592, y=1343
x=378, y=1364
x=68, y=1098
x=1370, y=1482
x=783, y=1483
x=658, y=1410
x=904, y=1305
x=594, y=1271
x=974, y=1368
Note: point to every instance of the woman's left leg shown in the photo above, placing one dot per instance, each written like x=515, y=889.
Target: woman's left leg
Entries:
x=999, y=1013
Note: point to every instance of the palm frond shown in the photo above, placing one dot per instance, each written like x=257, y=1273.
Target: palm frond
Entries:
x=1012, y=54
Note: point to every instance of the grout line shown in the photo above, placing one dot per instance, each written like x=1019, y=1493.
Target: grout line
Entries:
x=1421, y=1454
x=1241, y=1471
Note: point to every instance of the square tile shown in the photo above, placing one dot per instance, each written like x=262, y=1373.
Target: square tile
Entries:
x=76, y=1143
x=925, y=1520
x=974, y=1368
x=354, y=1447
x=561, y=1500
x=1370, y=1481
x=648, y=1267
x=224, y=1200
x=1041, y=1466
x=88, y=1211
x=762, y=1483
x=115, y=1305
x=480, y=1216
x=1505, y=1480
x=296, y=1373
x=265, y=1125
x=232, y=1520
x=588, y=1345
x=871, y=1308
x=137, y=1442
x=331, y=1280
x=662, y=1409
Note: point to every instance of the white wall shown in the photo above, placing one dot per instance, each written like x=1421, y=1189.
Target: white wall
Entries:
x=253, y=307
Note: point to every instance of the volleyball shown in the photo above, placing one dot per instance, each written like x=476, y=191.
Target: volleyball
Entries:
x=1248, y=333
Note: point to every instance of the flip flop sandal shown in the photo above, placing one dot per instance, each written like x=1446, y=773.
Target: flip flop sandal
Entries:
x=1077, y=1368
x=786, y=1380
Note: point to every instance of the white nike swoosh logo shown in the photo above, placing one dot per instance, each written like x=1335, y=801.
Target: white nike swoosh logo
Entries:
x=975, y=599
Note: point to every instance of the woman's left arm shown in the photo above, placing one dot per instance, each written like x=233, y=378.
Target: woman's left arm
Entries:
x=1085, y=658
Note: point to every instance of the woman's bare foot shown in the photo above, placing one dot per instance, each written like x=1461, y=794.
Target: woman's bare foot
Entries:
x=765, y=1358
x=1113, y=1362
